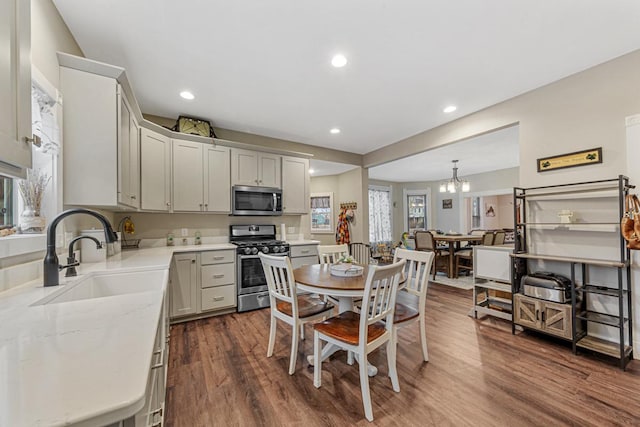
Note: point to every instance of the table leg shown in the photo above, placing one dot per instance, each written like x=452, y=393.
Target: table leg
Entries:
x=451, y=259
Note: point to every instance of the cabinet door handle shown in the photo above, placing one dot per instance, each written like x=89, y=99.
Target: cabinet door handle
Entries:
x=537, y=314
x=543, y=315
x=133, y=197
x=218, y=276
x=218, y=258
x=193, y=261
x=305, y=251
x=218, y=298
x=168, y=203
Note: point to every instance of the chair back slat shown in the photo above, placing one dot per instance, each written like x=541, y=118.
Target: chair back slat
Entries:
x=417, y=270
x=280, y=281
x=379, y=297
x=330, y=254
x=361, y=252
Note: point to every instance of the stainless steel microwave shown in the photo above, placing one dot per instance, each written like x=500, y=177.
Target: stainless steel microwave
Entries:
x=246, y=200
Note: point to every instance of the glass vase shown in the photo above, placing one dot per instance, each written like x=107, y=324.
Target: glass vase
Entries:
x=31, y=222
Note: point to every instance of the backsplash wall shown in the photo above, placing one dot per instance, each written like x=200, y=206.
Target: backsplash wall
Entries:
x=158, y=225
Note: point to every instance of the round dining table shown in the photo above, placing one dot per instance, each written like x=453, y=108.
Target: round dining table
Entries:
x=317, y=278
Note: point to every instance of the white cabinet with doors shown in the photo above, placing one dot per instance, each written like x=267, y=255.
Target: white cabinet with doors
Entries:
x=295, y=185
x=15, y=87
x=303, y=255
x=255, y=168
x=183, y=285
x=155, y=171
x=100, y=144
x=201, y=177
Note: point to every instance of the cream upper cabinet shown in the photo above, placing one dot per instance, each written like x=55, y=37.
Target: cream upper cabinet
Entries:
x=128, y=157
x=187, y=176
x=98, y=145
x=255, y=168
x=217, y=179
x=295, y=185
x=15, y=87
x=201, y=177
x=155, y=171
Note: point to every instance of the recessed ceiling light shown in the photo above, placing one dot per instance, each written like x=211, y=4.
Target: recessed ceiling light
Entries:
x=339, y=61
x=187, y=95
x=335, y=131
x=311, y=171
x=450, y=109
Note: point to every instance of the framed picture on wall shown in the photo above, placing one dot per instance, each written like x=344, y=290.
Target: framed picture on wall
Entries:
x=447, y=203
x=489, y=210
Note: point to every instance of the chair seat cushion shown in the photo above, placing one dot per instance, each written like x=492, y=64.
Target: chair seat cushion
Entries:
x=403, y=313
x=345, y=327
x=308, y=305
x=465, y=253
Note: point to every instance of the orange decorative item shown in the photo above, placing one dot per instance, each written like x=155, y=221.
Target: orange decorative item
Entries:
x=342, y=231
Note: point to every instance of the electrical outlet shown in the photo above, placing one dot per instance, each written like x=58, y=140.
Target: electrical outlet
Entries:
x=291, y=230
x=184, y=232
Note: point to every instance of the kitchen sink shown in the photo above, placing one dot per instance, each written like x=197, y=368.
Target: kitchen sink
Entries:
x=108, y=285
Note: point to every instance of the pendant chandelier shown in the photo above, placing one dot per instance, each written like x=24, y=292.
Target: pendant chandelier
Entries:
x=455, y=183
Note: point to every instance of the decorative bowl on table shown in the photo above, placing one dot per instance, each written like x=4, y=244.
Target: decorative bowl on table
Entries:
x=346, y=269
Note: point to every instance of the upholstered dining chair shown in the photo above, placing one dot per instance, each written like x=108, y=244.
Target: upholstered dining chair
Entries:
x=414, y=290
x=330, y=254
x=363, y=333
x=466, y=255
x=498, y=237
x=425, y=242
x=286, y=305
x=361, y=252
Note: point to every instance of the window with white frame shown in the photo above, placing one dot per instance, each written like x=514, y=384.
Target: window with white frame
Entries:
x=322, y=213
x=380, y=230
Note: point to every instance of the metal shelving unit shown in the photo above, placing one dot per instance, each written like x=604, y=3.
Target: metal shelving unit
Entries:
x=584, y=313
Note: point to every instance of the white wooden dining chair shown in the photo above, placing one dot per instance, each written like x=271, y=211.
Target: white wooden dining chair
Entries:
x=416, y=275
x=363, y=333
x=361, y=253
x=330, y=254
x=286, y=305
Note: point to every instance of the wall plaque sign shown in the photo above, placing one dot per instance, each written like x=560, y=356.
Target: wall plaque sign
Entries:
x=569, y=160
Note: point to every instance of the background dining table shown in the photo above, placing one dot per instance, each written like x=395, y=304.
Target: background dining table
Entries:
x=454, y=243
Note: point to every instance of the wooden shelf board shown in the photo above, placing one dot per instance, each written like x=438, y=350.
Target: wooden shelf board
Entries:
x=602, y=290
x=599, y=345
x=602, y=318
x=495, y=286
x=590, y=261
x=491, y=312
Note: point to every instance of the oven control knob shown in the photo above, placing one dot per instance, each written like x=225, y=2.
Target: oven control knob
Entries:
x=247, y=251
x=254, y=251
x=276, y=249
x=264, y=249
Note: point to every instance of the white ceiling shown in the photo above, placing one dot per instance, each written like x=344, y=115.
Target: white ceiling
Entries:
x=323, y=168
x=264, y=66
x=489, y=152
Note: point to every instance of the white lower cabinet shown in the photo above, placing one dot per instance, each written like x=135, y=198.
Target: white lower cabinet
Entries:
x=202, y=283
x=303, y=255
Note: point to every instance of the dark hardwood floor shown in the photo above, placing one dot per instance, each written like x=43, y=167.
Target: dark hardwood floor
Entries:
x=478, y=374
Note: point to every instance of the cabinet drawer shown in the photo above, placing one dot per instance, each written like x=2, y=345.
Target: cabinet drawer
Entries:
x=218, y=297
x=217, y=275
x=217, y=257
x=306, y=250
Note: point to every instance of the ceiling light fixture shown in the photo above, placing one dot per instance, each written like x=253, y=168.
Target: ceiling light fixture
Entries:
x=339, y=61
x=455, y=183
x=187, y=95
x=335, y=131
x=450, y=109
x=311, y=171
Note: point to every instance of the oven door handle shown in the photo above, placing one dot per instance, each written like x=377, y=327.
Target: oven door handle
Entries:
x=256, y=256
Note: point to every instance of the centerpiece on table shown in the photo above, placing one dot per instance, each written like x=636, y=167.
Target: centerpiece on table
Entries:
x=346, y=267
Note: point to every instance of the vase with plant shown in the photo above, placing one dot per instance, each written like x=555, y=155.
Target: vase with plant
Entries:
x=32, y=190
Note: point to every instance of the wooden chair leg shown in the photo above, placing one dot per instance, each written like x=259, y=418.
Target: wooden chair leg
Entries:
x=317, y=363
x=364, y=385
x=272, y=337
x=423, y=337
x=391, y=361
x=294, y=349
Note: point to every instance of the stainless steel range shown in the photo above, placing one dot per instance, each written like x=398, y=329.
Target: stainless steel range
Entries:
x=251, y=239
